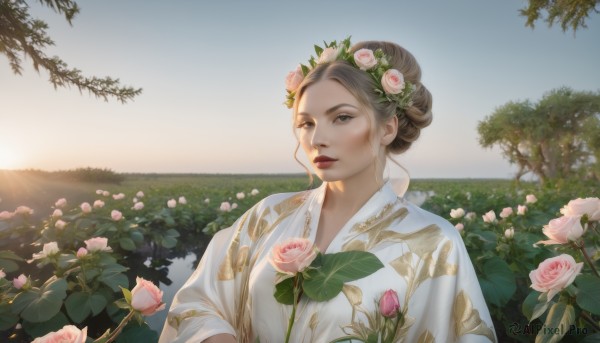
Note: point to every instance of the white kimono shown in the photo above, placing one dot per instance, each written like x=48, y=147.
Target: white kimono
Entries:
x=424, y=257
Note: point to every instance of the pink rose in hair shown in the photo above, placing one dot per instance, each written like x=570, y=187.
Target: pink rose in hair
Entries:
x=365, y=59
x=562, y=230
x=389, y=305
x=68, y=334
x=146, y=297
x=294, y=79
x=392, y=81
x=555, y=274
x=293, y=255
x=579, y=207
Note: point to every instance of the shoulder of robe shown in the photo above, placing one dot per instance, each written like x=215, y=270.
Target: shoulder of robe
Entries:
x=428, y=218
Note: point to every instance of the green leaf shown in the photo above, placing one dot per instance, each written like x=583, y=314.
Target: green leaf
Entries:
x=113, y=278
x=318, y=50
x=284, y=291
x=560, y=316
x=134, y=333
x=40, y=329
x=305, y=69
x=127, y=243
x=168, y=242
x=533, y=308
x=324, y=283
x=172, y=233
x=8, y=266
x=80, y=304
x=7, y=318
x=497, y=281
x=39, y=305
x=126, y=294
x=137, y=236
x=588, y=297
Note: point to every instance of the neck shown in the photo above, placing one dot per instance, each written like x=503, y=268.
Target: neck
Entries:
x=350, y=195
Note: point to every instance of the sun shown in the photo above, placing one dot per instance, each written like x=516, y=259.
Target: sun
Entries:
x=8, y=159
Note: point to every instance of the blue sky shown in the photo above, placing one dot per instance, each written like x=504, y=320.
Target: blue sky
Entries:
x=212, y=74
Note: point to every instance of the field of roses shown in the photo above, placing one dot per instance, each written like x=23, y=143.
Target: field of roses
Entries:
x=74, y=257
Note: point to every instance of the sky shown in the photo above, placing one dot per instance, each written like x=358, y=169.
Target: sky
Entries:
x=212, y=74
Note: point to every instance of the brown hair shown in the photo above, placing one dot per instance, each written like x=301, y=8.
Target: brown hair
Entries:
x=361, y=85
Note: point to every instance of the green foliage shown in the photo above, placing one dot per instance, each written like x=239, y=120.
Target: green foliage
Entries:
x=570, y=14
x=23, y=35
x=553, y=139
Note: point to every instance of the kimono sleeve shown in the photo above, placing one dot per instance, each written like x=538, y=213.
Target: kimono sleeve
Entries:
x=203, y=307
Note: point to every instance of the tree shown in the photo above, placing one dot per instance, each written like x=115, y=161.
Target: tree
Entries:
x=558, y=136
x=570, y=13
x=21, y=35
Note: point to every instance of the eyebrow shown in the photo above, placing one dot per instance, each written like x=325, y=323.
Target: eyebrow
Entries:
x=331, y=110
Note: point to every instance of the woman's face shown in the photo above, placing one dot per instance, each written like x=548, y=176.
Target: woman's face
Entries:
x=335, y=133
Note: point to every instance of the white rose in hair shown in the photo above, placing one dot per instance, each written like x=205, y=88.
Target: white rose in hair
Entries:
x=328, y=55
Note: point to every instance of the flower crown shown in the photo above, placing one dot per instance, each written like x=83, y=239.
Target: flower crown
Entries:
x=390, y=84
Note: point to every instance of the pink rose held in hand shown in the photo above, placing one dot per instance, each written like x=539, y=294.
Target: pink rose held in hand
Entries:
x=293, y=255
x=555, y=274
x=389, y=305
x=146, y=297
x=392, y=81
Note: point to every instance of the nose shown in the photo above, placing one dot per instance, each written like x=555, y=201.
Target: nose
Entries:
x=319, y=137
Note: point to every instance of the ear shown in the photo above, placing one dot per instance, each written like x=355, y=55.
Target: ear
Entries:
x=390, y=129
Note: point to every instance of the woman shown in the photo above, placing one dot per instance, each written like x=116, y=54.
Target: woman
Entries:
x=352, y=107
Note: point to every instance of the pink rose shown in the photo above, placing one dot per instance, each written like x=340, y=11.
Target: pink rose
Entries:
x=146, y=297
x=294, y=79
x=392, y=81
x=5, y=215
x=106, y=193
x=57, y=213
x=171, y=203
x=119, y=196
x=19, y=281
x=139, y=194
x=489, y=217
x=459, y=227
x=328, y=55
x=509, y=233
x=530, y=199
x=68, y=334
x=206, y=201
x=182, y=200
x=82, y=252
x=293, y=255
x=365, y=59
x=562, y=230
x=234, y=206
x=389, y=305
x=521, y=209
x=138, y=206
x=49, y=249
x=116, y=215
x=99, y=191
x=580, y=207
x=240, y=195
x=97, y=244
x=225, y=207
x=457, y=213
x=60, y=224
x=470, y=216
x=62, y=202
x=98, y=204
x=24, y=210
x=254, y=191
x=2, y=274
x=85, y=207
x=555, y=274
x=506, y=212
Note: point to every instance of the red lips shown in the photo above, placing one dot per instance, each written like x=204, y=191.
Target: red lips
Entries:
x=323, y=158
